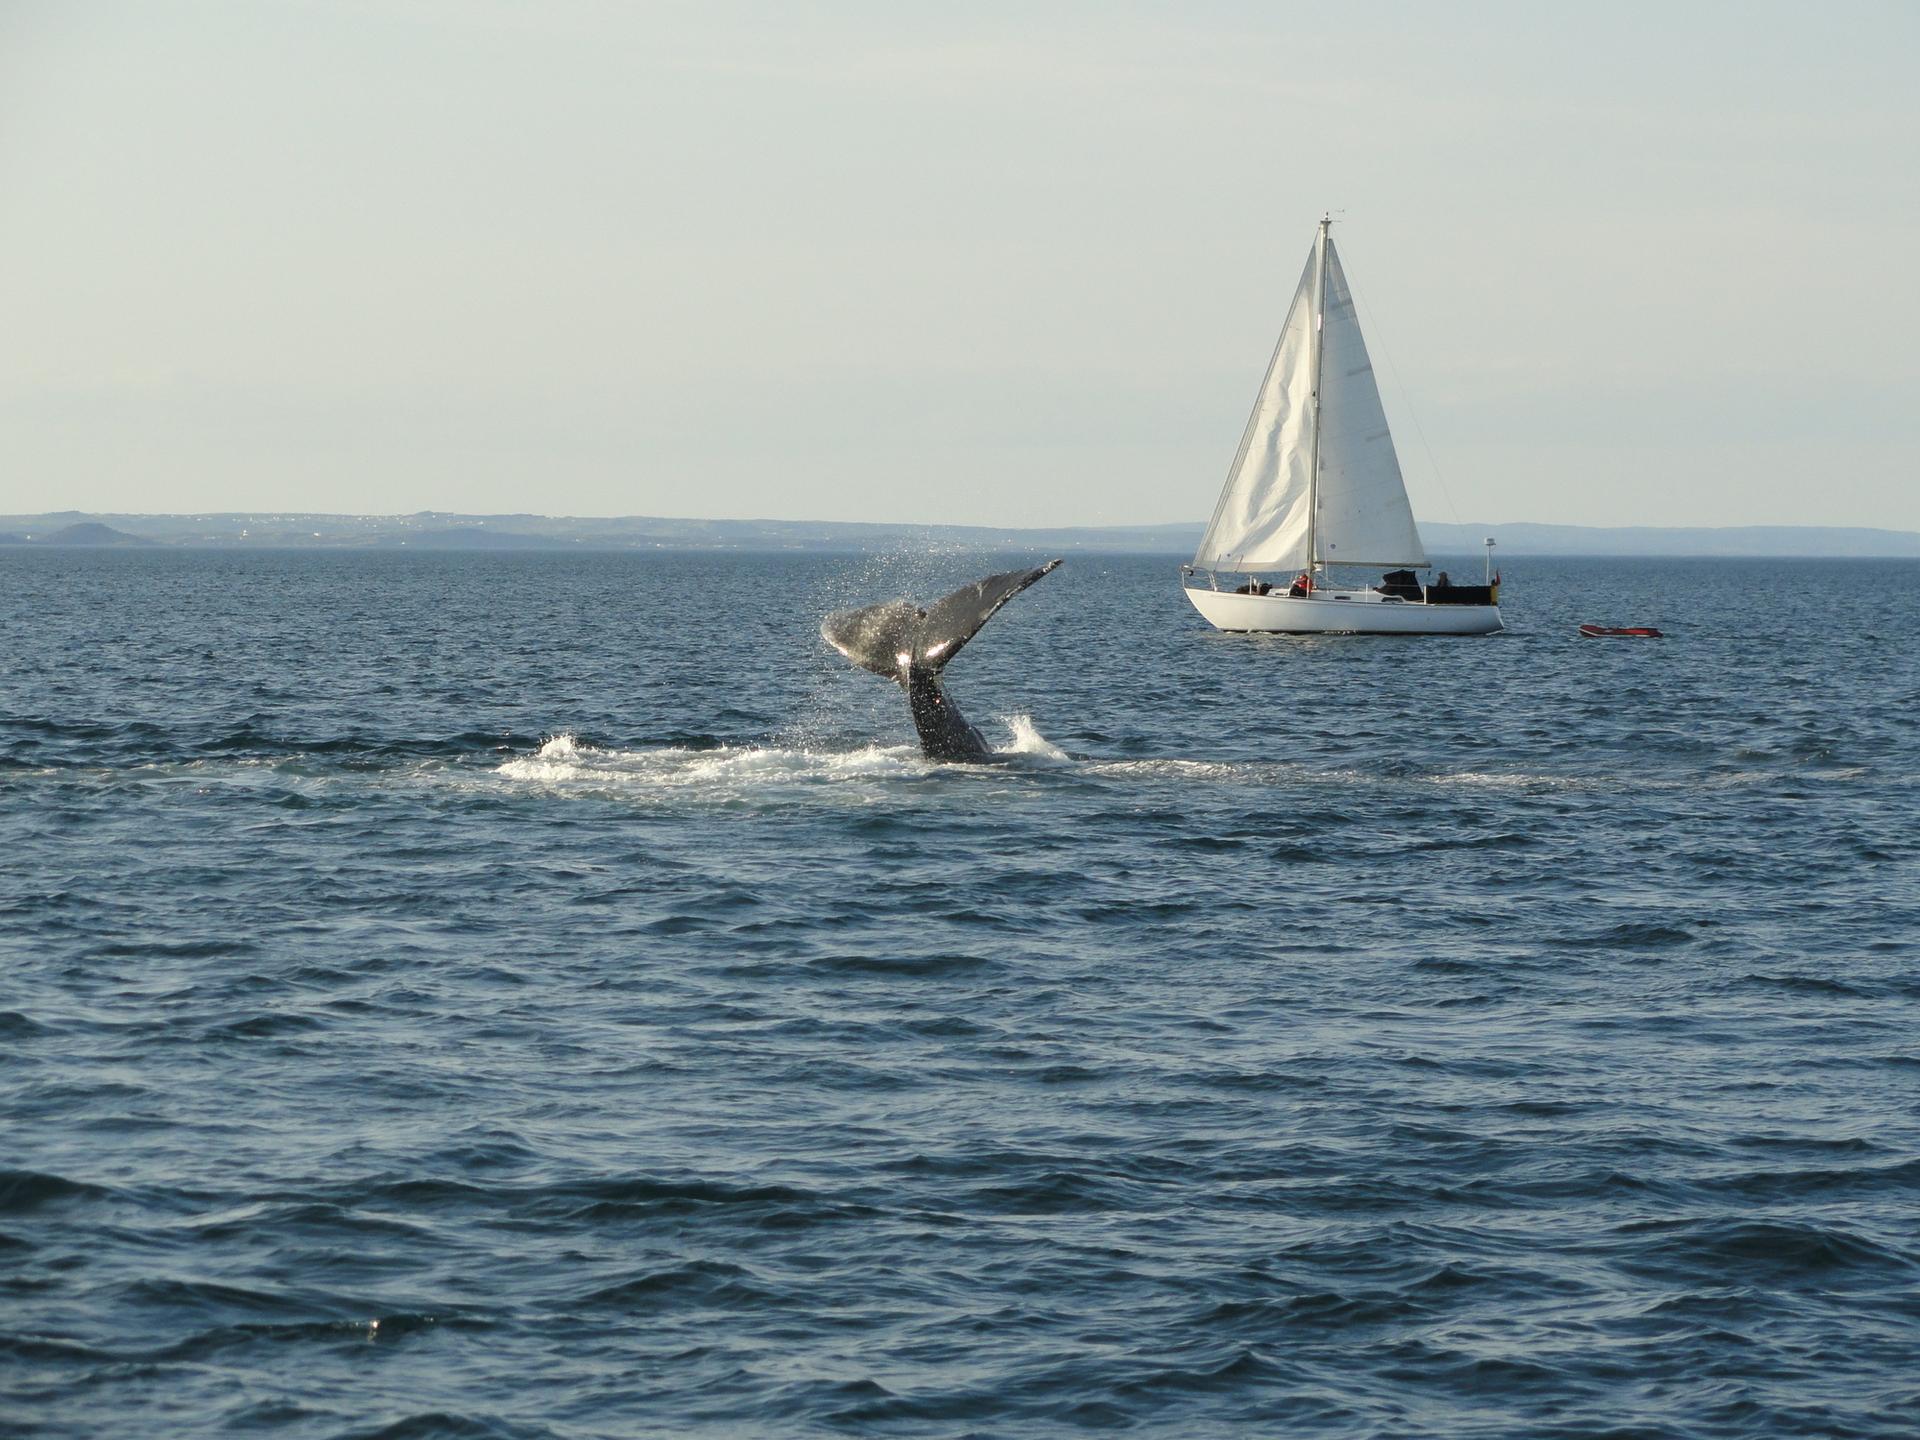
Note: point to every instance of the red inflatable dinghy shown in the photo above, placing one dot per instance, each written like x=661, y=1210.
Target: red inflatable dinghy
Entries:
x=1633, y=632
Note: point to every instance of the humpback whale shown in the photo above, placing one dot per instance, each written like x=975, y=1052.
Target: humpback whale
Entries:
x=911, y=644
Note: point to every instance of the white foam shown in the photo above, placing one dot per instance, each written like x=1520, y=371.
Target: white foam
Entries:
x=1195, y=770
x=566, y=763
x=1516, y=780
x=723, y=774
x=865, y=774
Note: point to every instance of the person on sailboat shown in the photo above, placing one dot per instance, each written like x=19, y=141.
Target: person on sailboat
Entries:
x=1302, y=585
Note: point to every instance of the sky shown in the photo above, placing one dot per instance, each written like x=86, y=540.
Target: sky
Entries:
x=1008, y=264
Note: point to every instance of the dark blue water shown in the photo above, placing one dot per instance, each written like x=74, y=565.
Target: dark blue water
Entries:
x=533, y=995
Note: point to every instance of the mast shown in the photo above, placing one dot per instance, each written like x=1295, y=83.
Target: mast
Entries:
x=1319, y=339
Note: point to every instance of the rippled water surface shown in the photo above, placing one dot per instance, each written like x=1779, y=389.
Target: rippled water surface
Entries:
x=549, y=995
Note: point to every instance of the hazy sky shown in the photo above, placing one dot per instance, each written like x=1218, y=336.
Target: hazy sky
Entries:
x=1021, y=263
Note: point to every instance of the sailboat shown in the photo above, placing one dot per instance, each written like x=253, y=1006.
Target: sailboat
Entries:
x=1316, y=484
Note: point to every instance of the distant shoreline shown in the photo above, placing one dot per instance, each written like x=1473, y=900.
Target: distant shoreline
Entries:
x=445, y=531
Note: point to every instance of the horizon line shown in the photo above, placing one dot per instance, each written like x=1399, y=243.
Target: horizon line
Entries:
x=482, y=517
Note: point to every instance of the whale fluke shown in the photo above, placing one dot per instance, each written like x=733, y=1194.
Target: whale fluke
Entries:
x=879, y=638
x=911, y=645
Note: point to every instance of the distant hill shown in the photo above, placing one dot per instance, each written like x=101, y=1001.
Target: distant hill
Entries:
x=89, y=532
x=476, y=539
x=442, y=530
x=1775, y=541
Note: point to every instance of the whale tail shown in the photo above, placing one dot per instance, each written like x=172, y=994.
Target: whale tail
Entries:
x=898, y=637
x=911, y=646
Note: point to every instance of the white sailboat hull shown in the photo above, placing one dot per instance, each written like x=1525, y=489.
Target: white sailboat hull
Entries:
x=1334, y=612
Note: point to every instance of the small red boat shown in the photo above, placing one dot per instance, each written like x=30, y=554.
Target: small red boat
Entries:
x=1632, y=632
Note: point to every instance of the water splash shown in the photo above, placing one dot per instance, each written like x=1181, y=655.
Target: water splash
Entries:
x=1029, y=743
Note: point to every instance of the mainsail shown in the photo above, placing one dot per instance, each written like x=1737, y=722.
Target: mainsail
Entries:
x=1265, y=519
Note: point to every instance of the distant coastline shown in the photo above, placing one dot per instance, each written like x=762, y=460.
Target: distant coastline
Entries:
x=442, y=530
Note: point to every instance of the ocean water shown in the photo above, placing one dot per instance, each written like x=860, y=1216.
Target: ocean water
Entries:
x=548, y=995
